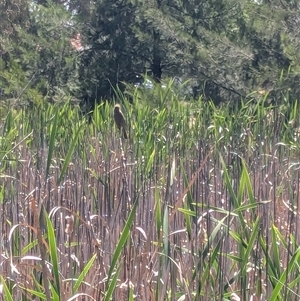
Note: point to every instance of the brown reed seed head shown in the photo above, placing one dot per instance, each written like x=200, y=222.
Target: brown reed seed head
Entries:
x=120, y=120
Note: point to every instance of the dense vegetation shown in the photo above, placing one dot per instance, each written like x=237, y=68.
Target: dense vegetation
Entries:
x=201, y=202
x=225, y=49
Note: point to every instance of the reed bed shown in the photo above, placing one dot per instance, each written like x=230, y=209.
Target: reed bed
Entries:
x=200, y=203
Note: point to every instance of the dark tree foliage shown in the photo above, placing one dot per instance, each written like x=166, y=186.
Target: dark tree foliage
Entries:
x=107, y=61
x=226, y=49
x=38, y=62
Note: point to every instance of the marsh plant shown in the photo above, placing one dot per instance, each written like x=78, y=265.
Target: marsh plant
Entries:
x=199, y=203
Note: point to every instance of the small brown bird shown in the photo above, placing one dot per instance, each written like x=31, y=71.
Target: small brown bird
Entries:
x=120, y=120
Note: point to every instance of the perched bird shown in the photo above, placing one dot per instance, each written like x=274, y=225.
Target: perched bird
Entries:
x=120, y=120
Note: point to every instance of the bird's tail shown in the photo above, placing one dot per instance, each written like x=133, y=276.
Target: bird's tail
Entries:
x=124, y=133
